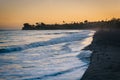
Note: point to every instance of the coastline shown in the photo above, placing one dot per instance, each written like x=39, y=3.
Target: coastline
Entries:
x=104, y=61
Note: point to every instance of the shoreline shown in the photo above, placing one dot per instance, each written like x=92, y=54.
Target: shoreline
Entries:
x=104, y=60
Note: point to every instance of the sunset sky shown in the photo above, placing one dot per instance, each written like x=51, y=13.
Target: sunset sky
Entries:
x=13, y=13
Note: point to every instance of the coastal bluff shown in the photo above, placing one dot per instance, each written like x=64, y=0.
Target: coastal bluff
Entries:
x=105, y=58
x=86, y=25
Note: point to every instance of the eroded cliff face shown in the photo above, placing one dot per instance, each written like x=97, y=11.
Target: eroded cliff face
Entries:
x=105, y=59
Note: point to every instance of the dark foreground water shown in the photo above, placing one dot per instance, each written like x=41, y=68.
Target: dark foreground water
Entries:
x=44, y=55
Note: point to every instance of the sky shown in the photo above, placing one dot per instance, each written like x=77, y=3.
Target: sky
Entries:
x=13, y=13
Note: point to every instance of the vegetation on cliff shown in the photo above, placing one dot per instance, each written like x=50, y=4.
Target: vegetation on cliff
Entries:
x=108, y=24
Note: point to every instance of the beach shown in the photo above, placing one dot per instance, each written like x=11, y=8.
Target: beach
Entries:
x=104, y=61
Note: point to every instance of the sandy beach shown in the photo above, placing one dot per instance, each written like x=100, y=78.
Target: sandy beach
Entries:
x=105, y=59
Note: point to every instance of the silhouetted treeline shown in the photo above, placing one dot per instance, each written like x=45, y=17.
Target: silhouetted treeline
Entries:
x=106, y=25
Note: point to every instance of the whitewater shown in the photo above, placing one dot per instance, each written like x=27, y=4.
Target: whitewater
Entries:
x=44, y=54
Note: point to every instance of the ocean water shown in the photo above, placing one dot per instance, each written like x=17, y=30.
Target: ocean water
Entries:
x=44, y=54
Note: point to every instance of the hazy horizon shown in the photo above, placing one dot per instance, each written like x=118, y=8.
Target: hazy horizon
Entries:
x=16, y=12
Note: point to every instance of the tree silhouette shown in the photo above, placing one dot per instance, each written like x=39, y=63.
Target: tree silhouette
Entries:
x=86, y=21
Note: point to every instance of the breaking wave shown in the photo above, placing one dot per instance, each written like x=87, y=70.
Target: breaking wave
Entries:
x=68, y=38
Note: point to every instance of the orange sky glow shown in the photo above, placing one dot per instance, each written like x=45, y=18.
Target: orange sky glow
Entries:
x=13, y=13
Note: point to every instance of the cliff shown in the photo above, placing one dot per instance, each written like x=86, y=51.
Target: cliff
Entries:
x=75, y=25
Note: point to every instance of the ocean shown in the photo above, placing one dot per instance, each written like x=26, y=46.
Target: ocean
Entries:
x=44, y=54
